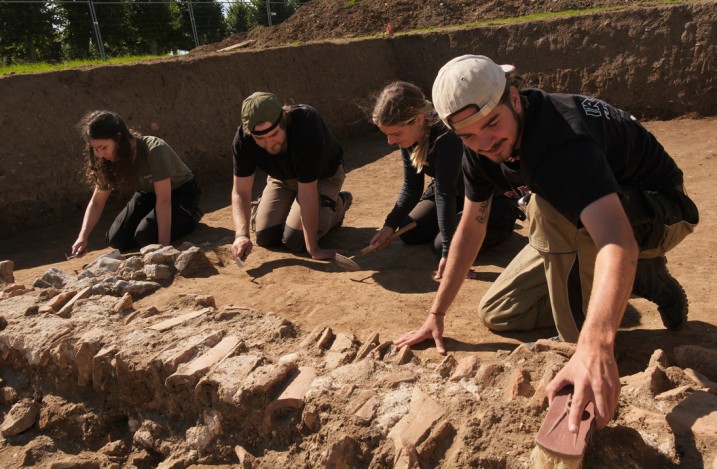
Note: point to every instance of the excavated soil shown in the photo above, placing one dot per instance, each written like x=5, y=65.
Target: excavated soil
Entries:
x=335, y=19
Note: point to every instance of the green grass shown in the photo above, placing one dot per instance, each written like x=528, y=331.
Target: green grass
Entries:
x=48, y=67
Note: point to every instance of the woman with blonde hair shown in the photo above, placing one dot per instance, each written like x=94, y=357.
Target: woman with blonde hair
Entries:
x=428, y=148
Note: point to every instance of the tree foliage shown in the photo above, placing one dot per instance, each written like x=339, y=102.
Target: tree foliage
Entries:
x=62, y=30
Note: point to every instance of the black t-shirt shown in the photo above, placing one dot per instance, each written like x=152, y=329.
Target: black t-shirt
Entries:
x=575, y=150
x=443, y=163
x=312, y=151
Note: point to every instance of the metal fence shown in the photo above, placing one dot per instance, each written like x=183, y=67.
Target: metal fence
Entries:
x=55, y=30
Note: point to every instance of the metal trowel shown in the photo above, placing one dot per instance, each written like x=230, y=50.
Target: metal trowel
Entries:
x=350, y=264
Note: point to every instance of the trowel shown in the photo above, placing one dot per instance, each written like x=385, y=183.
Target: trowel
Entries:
x=350, y=264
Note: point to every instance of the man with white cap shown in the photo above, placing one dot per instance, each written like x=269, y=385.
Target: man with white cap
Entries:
x=604, y=194
x=302, y=200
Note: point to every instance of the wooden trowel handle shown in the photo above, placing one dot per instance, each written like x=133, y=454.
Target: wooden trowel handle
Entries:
x=396, y=234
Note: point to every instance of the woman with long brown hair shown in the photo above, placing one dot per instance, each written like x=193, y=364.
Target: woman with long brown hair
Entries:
x=164, y=205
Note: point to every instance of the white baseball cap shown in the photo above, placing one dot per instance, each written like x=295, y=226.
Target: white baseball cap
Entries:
x=468, y=81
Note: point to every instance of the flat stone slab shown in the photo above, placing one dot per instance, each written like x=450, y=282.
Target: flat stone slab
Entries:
x=170, y=323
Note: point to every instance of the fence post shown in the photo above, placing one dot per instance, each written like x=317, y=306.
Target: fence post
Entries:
x=268, y=13
x=96, y=27
x=194, y=24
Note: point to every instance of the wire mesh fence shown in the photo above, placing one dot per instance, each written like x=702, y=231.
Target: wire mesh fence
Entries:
x=63, y=30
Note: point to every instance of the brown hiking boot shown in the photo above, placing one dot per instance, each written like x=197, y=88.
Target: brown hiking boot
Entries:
x=654, y=283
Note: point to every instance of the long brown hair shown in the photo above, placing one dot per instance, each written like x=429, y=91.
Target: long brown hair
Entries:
x=400, y=103
x=117, y=174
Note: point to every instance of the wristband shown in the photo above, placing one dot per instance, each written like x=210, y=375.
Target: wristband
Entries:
x=436, y=313
x=239, y=235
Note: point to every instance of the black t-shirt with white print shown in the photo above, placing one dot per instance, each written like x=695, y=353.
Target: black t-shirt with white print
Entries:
x=575, y=150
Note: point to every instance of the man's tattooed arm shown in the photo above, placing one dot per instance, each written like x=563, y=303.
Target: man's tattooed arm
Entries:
x=483, y=212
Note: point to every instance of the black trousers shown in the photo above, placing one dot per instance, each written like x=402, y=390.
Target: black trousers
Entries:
x=501, y=222
x=136, y=224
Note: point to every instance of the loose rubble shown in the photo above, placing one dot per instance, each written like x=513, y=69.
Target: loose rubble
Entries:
x=89, y=381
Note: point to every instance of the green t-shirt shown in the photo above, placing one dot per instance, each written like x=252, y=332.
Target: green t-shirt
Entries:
x=156, y=161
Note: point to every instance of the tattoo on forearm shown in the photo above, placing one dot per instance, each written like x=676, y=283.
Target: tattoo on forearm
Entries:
x=483, y=211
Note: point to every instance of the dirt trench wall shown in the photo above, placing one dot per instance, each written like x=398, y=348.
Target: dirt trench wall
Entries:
x=657, y=62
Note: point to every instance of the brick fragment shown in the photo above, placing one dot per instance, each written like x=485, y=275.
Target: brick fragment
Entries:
x=394, y=379
x=518, y=385
x=488, y=373
x=539, y=400
x=325, y=339
x=292, y=397
x=382, y=349
x=57, y=302
x=406, y=456
x=423, y=413
x=141, y=314
x=66, y=310
x=188, y=374
x=312, y=337
x=676, y=394
x=343, y=343
x=262, y=380
x=659, y=357
x=366, y=348
x=466, y=368
x=435, y=446
x=359, y=400
x=652, y=380
x=103, y=371
x=405, y=355
x=367, y=411
x=701, y=380
x=86, y=351
x=170, y=323
x=123, y=303
x=447, y=366
x=223, y=381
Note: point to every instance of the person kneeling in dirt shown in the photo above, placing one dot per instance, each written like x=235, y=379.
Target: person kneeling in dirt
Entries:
x=165, y=204
x=608, y=202
x=428, y=147
x=302, y=199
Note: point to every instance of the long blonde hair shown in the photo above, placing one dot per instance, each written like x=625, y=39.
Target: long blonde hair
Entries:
x=401, y=103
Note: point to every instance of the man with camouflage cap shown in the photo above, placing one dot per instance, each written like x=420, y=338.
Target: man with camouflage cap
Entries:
x=302, y=199
x=607, y=203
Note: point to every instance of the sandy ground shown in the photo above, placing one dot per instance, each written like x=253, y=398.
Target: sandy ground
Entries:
x=392, y=292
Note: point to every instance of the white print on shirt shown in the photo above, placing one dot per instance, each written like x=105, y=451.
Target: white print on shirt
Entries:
x=595, y=108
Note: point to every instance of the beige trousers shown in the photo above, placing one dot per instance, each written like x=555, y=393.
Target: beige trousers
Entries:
x=532, y=291
x=279, y=204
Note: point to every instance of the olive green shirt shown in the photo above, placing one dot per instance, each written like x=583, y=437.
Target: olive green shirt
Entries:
x=155, y=161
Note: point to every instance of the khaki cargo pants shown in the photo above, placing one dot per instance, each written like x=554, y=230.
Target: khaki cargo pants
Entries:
x=278, y=213
x=532, y=291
